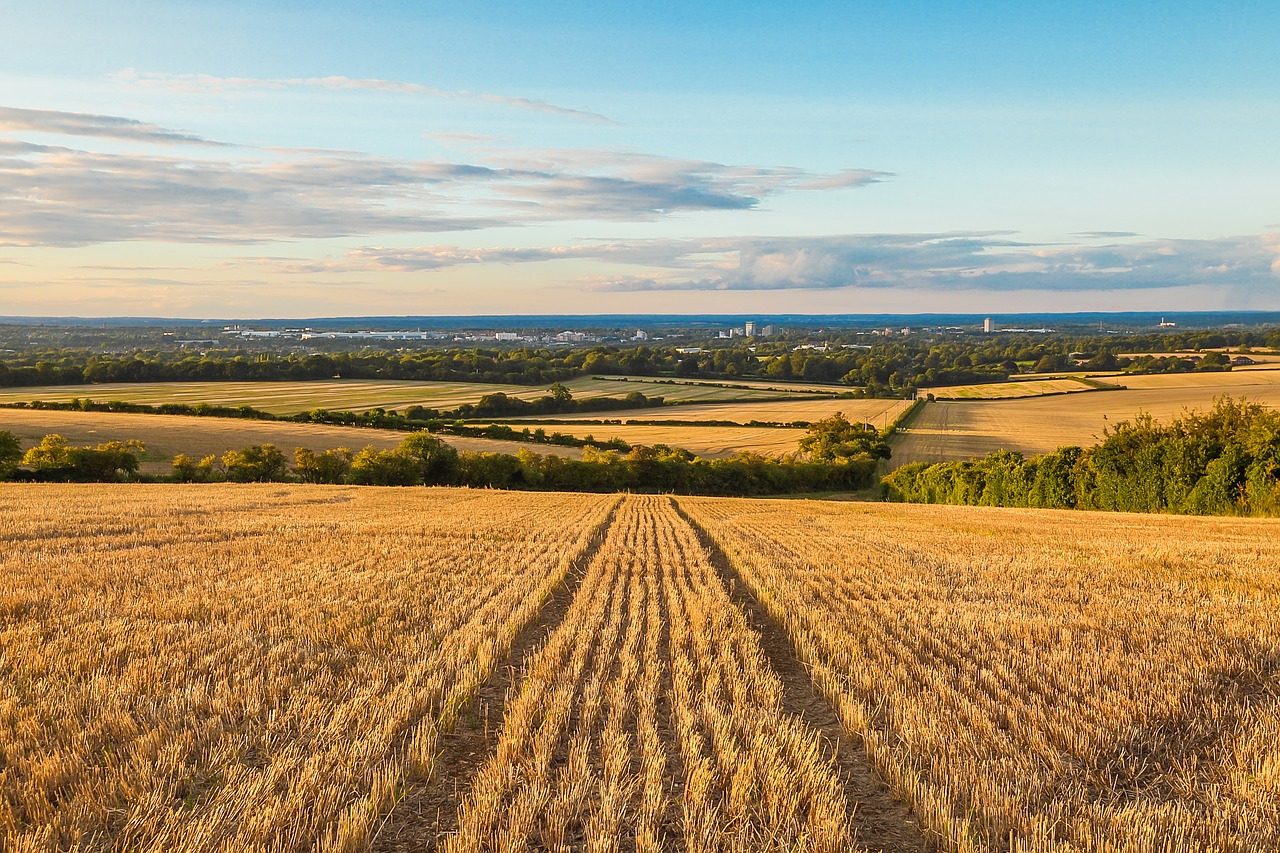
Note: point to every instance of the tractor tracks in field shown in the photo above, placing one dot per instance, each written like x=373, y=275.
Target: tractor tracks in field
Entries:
x=428, y=813
x=883, y=822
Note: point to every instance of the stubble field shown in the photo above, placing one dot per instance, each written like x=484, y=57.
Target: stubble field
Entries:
x=326, y=668
x=950, y=430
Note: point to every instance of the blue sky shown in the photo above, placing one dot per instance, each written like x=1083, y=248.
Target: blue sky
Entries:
x=304, y=159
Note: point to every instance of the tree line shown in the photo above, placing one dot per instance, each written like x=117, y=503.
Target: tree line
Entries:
x=870, y=366
x=842, y=457
x=1223, y=462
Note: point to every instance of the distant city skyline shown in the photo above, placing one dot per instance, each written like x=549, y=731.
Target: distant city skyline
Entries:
x=291, y=159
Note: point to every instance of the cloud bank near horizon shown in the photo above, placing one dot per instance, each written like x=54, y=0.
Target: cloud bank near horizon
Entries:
x=992, y=261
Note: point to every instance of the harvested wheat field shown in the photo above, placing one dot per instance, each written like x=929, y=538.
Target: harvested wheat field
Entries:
x=197, y=668
x=950, y=430
x=1010, y=390
x=237, y=668
x=879, y=412
x=709, y=441
x=1038, y=680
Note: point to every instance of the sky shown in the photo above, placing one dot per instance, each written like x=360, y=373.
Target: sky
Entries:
x=281, y=158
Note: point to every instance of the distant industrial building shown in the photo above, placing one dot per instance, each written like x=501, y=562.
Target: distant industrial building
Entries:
x=640, y=335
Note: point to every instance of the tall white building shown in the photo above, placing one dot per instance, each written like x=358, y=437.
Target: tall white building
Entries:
x=988, y=325
x=750, y=328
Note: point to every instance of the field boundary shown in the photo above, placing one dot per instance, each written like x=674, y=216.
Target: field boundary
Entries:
x=883, y=822
x=428, y=813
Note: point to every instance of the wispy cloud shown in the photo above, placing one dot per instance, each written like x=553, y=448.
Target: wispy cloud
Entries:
x=208, y=83
x=61, y=196
x=88, y=124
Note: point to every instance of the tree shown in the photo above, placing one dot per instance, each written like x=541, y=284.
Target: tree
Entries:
x=835, y=438
x=55, y=459
x=329, y=466
x=257, y=463
x=10, y=454
x=436, y=461
x=373, y=467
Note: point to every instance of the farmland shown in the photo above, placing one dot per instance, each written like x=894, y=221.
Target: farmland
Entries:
x=874, y=411
x=1038, y=680
x=708, y=441
x=335, y=668
x=944, y=430
x=287, y=398
x=219, y=668
x=168, y=435
x=1008, y=390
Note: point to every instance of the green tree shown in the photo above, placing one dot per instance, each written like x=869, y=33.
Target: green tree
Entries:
x=256, y=463
x=10, y=454
x=373, y=467
x=436, y=461
x=835, y=438
x=56, y=459
x=328, y=466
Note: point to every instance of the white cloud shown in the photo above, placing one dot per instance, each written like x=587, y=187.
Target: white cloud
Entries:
x=88, y=124
x=60, y=196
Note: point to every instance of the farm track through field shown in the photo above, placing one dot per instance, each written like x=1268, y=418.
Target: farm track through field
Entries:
x=882, y=821
x=429, y=813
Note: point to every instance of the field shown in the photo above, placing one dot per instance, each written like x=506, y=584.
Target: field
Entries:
x=709, y=442
x=287, y=398
x=1007, y=390
x=1039, y=680
x=165, y=436
x=963, y=430
x=329, y=668
x=878, y=412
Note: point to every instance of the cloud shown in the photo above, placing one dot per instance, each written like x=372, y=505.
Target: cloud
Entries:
x=963, y=262
x=87, y=124
x=208, y=83
x=1104, y=235
x=59, y=196
x=929, y=261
